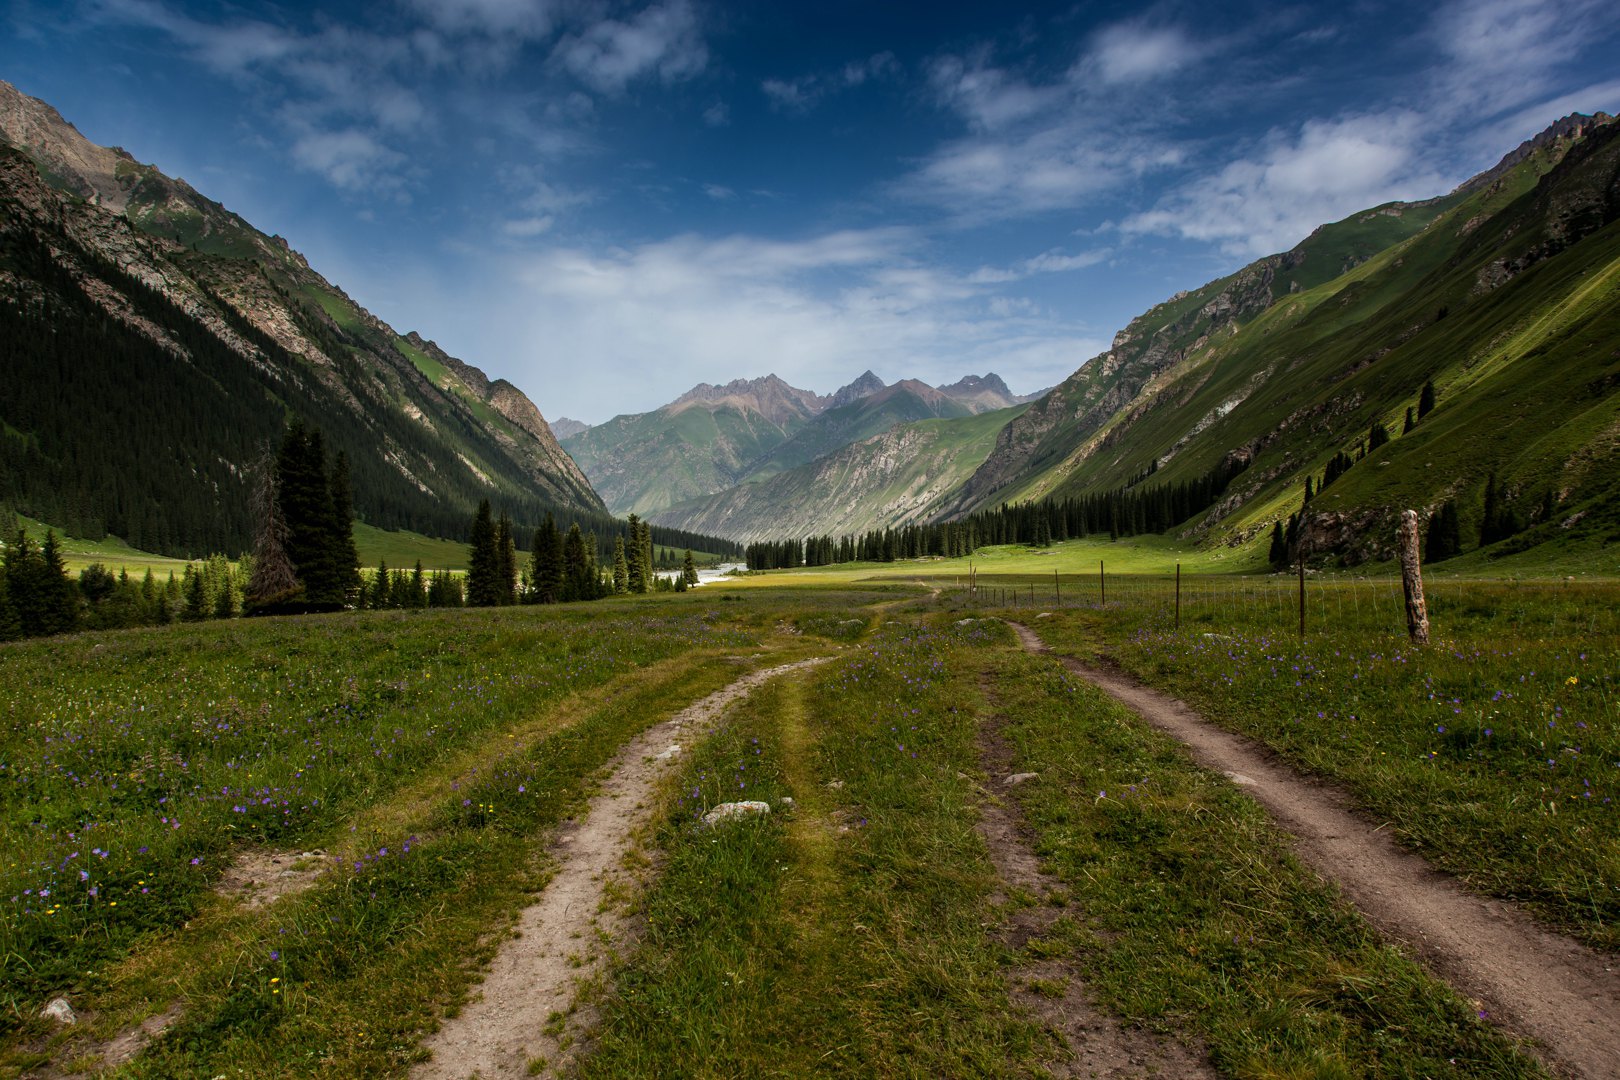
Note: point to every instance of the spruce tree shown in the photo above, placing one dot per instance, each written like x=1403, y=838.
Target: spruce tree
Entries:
x=274, y=579
x=546, y=563
x=577, y=583
x=59, y=607
x=345, y=557
x=505, y=561
x=379, y=586
x=1411, y=422
x=689, y=572
x=636, y=558
x=418, y=586
x=1426, y=400
x=1444, y=538
x=1278, y=555
x=196, y=593
x=483, y=564
x=621, y=567
x=306, y=506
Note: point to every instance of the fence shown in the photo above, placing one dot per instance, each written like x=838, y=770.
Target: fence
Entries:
x=1275, y=603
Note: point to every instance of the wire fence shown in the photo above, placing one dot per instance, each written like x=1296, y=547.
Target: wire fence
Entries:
x=1318, y=602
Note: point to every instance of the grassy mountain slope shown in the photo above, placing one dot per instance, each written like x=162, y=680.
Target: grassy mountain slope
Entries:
x=1503, y=294
x=158, y=341
x=645, y=461
x=896, y=477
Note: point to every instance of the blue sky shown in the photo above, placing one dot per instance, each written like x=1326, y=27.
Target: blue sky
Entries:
x=608, y=202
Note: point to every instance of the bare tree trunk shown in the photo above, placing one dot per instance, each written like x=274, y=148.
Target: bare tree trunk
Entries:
x=1417, y=611
x=273, y=575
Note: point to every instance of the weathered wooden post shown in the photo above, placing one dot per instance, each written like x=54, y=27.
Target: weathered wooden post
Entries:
x=1417, y=611
x=1102, y=584
x=1302, y=595
x=1178, y=598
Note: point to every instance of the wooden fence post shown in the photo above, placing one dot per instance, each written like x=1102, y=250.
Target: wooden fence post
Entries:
x=1102, y=584
x=1417, y=611
x=1302, y=595
x=1178, y=598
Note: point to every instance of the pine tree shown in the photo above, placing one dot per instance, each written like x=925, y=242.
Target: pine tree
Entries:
x=274, y=579
x=418, y=592
x=621, y=567
x=1411, y=422
x=689, y=572
x=505, y=562
x=636, y=559
x=196, y=593
x=306, y=505
x=483, y=564
x=577, y=583
x=1426, y=400
x=59, y=607
x=1444, y=538
x=1310, y=488
x=1278, y=555
x=546, y=563
x=345, y=557
x=379, y=586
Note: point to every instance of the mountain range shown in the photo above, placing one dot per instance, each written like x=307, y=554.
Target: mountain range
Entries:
x=1503, y=296
x=156, y=343
x=713, y=438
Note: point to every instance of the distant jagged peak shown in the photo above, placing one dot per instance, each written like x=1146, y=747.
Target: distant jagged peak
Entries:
x=1565, y=129
x=976, y=384
x=565, y=428
x=769, y=395
x=865, y=386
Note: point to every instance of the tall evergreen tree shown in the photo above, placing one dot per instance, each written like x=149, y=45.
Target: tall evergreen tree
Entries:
x=546, y=563
x=1411, y=422
x=483, y=564
x=345, y=556
x=418, y=592
x=577, y=581
x=621, y=567
x=689, y=569
x=59, y=608
x=274, y=580
x=1444, y=538
x=505, y=561
x=306, y=506
x=636, y=558
x=1426, y=400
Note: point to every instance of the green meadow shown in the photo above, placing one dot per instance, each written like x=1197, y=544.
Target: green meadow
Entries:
x=410, y=765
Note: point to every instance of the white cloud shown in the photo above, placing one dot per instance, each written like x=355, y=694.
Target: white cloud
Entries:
x=1049, y=262
x=350, y=159
x=717, y=115
x=719, y=192
x=990, y=98
x=816, y=311
x=1505, y=53
x=662, y=40
x=1296, y=181
x=526, y=228
x=1134, y=52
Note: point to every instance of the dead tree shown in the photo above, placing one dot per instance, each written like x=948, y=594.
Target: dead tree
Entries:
x=274, y=579
x=1417, y=611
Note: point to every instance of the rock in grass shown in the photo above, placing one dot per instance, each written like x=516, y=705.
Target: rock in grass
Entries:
x=735, y=811
x=1019, y=777
x=60, y=1010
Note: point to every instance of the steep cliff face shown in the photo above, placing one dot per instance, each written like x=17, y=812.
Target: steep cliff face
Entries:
x=167, y=264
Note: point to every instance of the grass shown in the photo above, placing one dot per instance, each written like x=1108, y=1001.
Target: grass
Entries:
x=1495, y=752
x=853, y=932
x=844, y=935
x=124, y=804
x=1188, y=908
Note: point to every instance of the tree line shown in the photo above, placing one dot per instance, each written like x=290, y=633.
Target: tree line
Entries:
x=1130, y=510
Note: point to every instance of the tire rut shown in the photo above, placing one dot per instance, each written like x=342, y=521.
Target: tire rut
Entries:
x=1098, y=1044
x=507, y=1028
x=1533, y=981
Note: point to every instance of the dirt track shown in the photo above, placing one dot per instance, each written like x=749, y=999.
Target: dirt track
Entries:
x=559, y=939
x=1537, y=983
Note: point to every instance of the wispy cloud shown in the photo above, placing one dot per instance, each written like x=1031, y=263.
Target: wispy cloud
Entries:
x=817, y=311
x=1136, y=52
x=662, y=40
x=803, y=93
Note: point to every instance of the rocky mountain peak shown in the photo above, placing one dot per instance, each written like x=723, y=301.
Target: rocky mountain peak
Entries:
x=1566, y=129
x=768, y=395
x=865, y=386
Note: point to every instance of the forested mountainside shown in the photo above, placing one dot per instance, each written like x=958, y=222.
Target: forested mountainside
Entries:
x=155, y=343
x=1503, y=297
x=714, y=437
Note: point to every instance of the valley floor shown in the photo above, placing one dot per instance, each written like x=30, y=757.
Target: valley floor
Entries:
x=971, y=861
